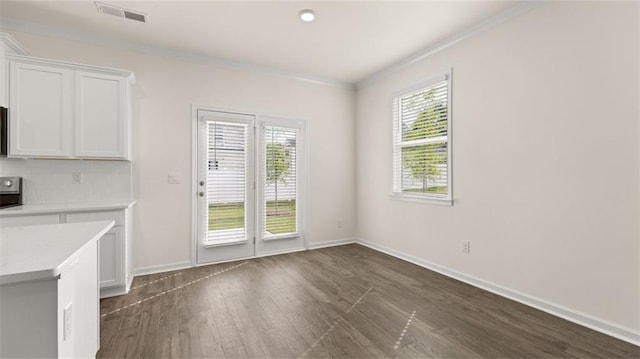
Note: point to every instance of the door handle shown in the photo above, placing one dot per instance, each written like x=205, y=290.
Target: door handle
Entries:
x=202, y=183
x=201, y=194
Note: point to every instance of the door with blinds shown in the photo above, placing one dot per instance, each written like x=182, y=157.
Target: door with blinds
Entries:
x=250, y=191
x=226, y=177
x=281, y=188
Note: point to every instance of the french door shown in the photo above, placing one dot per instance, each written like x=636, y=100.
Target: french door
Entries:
x=250, y=188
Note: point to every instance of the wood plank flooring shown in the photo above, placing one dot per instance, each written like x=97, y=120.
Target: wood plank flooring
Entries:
x=339, y=302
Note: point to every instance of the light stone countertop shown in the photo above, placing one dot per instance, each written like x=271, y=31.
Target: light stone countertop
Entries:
x=43, y=252
x=29, y=209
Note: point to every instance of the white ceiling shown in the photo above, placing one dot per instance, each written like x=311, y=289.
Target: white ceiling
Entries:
x=348, y=42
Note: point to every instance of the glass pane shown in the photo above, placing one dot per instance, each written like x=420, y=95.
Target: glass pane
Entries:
x=280, y=185
x=424, y=168
x=226, y=182
x=424, y=114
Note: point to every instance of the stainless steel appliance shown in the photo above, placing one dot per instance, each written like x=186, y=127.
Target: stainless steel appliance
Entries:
x=10, y=191
x=4, y=120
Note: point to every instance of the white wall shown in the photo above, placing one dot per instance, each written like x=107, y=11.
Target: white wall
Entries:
x=165, y=90
x=545, y=171
x=50, y=181
x=546, y=154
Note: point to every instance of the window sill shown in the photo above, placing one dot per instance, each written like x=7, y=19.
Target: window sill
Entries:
x=420, y=199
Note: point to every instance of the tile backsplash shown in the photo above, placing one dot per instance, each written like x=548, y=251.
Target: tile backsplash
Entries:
x=51, y=181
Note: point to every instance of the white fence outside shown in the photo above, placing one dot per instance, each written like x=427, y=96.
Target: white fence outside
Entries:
x=225, y=172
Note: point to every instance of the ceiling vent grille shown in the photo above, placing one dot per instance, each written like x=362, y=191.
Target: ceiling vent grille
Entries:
x=109, y=9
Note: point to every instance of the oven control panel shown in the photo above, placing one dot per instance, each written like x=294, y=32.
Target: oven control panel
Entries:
x=10, y=191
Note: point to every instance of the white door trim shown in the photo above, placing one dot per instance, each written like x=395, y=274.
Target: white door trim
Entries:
x=194, y=177
x=301, y=184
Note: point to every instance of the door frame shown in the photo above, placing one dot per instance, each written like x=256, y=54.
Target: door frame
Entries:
x=194, y=179
x=301, y=183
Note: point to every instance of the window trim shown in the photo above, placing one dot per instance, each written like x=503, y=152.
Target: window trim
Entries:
x=437, y=199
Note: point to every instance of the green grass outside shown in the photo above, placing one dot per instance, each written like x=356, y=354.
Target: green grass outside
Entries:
x=226, y=216
x=281, y=216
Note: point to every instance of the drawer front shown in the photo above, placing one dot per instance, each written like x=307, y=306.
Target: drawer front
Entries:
x=96, y=216
x=29, y=220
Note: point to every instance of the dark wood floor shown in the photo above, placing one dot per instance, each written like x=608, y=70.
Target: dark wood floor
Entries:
x=346, y=301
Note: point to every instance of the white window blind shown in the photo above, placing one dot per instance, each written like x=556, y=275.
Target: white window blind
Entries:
x=226, y=182
x=421, y=141
x=280, y=181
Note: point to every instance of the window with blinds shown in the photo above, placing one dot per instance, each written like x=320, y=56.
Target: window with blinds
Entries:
x=227, y=166
x=280, y=181
x=422, y=141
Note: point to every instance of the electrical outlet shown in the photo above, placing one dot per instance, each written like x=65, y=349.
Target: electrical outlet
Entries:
x=466, y=246
x=76, y=177
x=67, y=320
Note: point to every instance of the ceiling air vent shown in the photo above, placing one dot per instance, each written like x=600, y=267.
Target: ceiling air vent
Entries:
x=120, y=12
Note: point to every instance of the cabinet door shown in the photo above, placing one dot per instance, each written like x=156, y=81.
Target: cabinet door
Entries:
x=101, y=116
x=40, y=113
x=4, y=80
x=111, y=259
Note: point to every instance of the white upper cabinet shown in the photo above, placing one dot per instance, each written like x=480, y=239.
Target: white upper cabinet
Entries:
x=40, y=111
x=8, y=45
x=101, y=116
x=64, y=110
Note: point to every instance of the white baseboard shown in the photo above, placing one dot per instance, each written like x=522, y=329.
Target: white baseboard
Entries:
x=112, y=292
x=129, y=281
x=183, y=265
x=161, y=268
x=337, y=242
x=116, y=291
x=623, y=333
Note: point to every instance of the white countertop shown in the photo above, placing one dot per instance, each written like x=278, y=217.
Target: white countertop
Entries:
x=43, y=252
x=29, y=209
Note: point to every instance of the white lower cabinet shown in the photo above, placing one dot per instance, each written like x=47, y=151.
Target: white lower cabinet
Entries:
x=33, y=312
x=115, y=269
x=111, y=274
x=114, y=247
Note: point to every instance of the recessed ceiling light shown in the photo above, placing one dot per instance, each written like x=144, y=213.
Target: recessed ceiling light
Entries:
x=307, y=15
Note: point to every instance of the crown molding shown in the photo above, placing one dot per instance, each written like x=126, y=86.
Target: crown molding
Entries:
x=85, y=37
x=482, y=26
x=12, y=44
x=73, y=35
x=130, y=76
